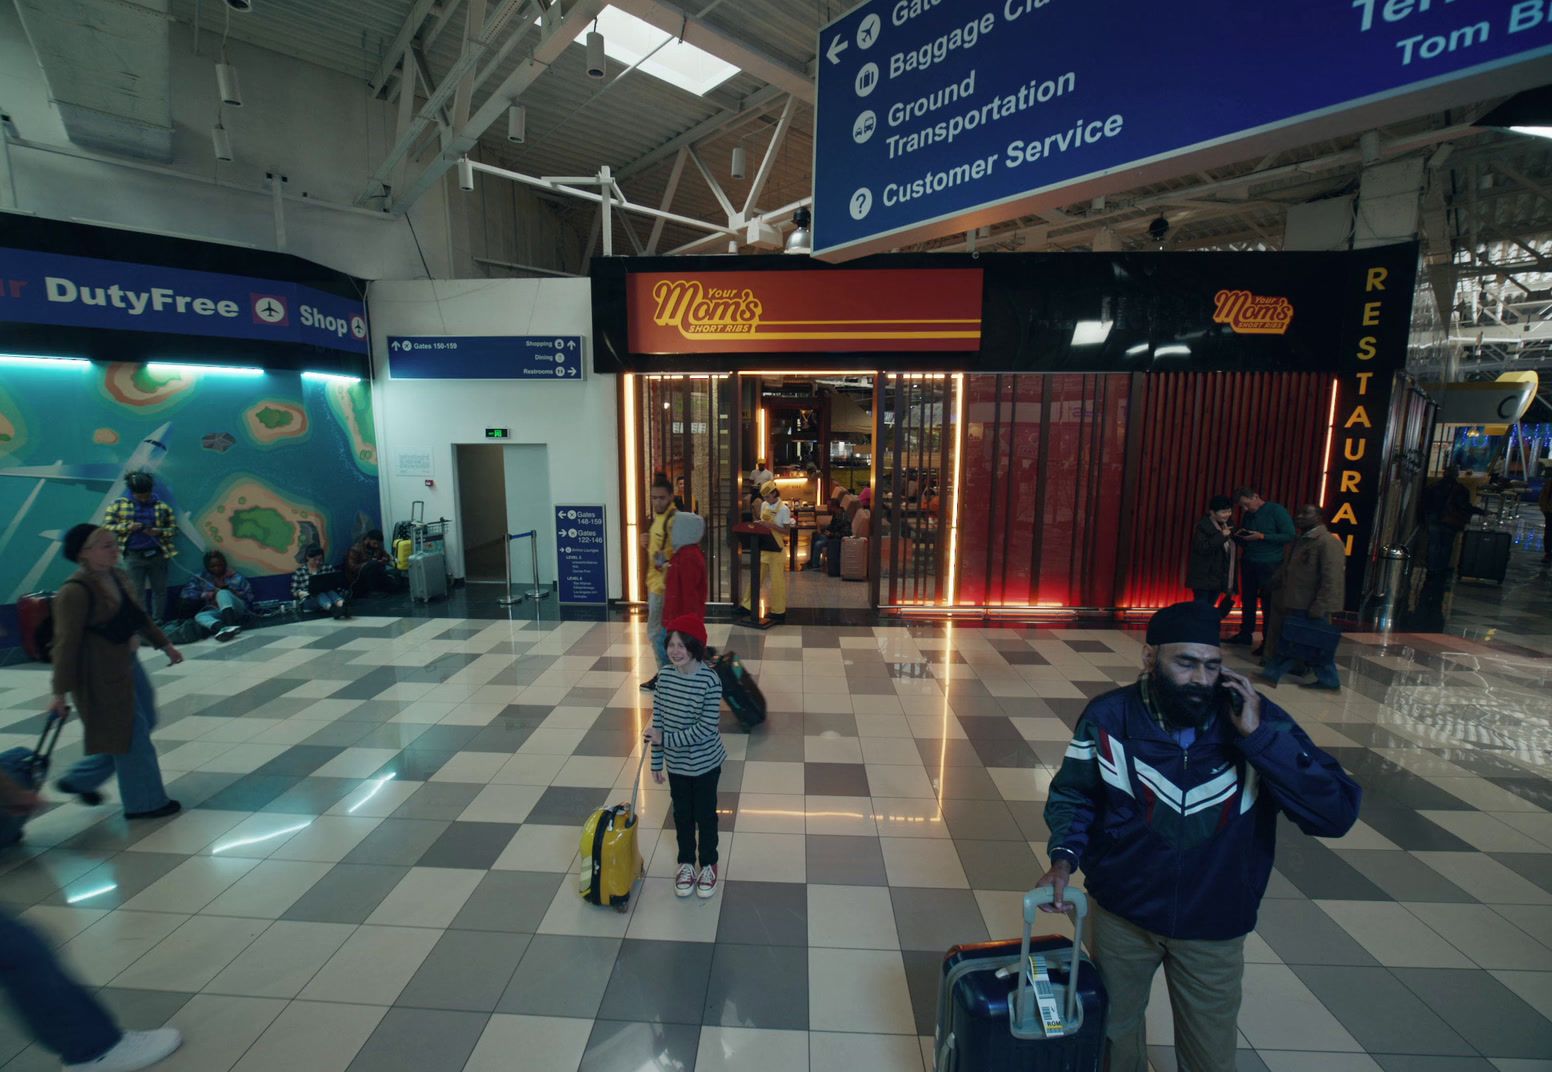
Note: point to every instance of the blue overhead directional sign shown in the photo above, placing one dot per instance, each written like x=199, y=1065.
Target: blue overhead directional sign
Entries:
x=485, y=357
x=935, y=116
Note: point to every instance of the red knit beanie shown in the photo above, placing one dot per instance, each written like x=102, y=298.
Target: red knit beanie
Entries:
x=687, y=625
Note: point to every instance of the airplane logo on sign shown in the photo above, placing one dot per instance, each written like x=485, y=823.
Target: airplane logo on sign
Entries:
x=270, y=309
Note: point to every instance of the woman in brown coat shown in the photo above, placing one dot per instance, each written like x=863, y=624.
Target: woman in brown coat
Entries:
x=98, y=623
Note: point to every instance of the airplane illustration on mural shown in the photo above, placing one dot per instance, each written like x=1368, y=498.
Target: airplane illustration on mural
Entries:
x=108, y=476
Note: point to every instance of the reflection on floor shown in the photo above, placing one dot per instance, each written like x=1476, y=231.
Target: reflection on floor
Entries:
x=1519, y=611
x=377, y=868
x=814, y=588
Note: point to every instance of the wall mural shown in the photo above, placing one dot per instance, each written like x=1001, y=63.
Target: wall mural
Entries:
x=258, y=465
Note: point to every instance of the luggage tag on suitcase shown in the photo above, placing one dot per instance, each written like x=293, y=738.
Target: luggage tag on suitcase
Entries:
x=1045, y=997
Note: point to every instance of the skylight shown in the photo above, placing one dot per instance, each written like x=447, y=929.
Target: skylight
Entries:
x=628, y=39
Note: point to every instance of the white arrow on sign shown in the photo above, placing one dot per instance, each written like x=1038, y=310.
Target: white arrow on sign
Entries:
x=838, y=44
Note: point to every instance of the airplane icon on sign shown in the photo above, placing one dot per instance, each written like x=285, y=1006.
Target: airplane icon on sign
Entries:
x=269, y=310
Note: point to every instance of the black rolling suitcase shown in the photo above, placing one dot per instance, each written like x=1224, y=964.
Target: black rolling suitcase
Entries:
x=28, y=768
x=1484, y=555
x=991, y=1018
x=739, y=690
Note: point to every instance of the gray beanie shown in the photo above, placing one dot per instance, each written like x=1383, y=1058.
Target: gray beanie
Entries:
x=688, y=529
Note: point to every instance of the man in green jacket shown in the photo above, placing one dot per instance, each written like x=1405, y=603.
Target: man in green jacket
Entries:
x=1265, y=529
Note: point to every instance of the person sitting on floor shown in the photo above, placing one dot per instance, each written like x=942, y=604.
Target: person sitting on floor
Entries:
x=224, y=597
x=368, y=567
x=331, y=602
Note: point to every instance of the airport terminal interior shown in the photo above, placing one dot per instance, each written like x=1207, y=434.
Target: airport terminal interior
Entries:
x=968, y=450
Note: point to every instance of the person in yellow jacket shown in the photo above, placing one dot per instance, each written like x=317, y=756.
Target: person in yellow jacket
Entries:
x=777, y=518
x=659, y=548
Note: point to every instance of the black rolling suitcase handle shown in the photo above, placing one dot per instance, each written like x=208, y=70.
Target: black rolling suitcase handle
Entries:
x=43, y=754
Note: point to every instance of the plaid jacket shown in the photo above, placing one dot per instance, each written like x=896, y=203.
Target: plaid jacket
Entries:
x=121, y=516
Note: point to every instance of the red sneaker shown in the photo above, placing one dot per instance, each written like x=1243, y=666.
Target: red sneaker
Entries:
x=684, y=882
x=708, y=881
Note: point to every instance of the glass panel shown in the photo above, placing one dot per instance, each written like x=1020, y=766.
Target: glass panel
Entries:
x=914, y=472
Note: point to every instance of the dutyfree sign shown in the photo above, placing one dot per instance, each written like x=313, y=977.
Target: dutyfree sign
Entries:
x=52, y=288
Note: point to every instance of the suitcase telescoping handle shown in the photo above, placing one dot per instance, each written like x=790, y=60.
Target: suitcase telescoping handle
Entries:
x=1026, y=1018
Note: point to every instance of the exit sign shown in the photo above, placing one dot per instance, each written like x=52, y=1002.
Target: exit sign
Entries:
x=498, y=433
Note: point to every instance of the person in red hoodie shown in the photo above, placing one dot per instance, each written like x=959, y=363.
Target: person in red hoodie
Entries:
x=685, y=593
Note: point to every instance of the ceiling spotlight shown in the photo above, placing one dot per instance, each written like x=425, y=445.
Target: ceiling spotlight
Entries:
x=595, y=54
x=1158, y=229
x=221, y=141
x=740, y=162
x=465, y=174
x=801, y=240
x=517, y=124
x=227, y=84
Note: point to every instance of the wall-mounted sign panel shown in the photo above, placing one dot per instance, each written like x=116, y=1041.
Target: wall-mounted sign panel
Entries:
x=860, y=310
x=85, y=292
x=485, y=357
x=580, y=544
x=936, y=116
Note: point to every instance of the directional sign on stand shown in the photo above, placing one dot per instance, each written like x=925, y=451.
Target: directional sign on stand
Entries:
x=485, y=357
x=937, y=116
x=580, y=554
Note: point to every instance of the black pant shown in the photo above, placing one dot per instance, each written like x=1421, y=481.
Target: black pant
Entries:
x=695, y=808
x=1252, y=589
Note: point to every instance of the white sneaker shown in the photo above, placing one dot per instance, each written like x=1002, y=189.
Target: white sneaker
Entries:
x=227, y=632
x=684, y=882
x=137, y=1049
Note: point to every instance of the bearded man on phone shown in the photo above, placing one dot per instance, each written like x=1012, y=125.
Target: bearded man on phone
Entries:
x=1167, y=800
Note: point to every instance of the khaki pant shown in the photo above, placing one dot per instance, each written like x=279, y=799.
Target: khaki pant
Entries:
x=1204, y=992
x=773, y=568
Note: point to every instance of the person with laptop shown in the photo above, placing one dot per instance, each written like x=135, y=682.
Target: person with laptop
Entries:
x=317, y=589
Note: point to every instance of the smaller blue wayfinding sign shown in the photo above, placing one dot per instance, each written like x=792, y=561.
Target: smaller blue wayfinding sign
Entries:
x=485, y=357
x=580, y=549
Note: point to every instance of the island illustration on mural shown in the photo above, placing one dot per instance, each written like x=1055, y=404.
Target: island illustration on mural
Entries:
x=274, y=421
x=260, y=528
x=352, y=404
x=141, y=387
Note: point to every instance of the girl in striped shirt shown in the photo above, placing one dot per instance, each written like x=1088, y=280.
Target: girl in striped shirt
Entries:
x=685, y=739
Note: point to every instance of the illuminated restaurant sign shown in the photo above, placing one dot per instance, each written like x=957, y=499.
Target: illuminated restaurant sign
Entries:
x=811, y=312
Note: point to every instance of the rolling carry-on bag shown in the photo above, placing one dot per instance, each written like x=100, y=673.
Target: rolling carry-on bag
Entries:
x=739, y=690
x=611, y=851
x=34, y=620
x=1035, y=1004
x=428, y=576
x=28, y=768
x=854, y=558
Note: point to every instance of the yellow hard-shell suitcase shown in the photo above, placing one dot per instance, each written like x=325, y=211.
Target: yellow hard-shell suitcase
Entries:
x=610, y=852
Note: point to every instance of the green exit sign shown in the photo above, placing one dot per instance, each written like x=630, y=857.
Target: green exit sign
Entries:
x=498, y=433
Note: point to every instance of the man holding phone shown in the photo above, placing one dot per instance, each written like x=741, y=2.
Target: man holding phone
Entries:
x=1167, y=800
x=1264, y=530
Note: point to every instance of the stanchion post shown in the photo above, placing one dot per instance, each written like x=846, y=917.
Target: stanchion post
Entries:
x=509, y=600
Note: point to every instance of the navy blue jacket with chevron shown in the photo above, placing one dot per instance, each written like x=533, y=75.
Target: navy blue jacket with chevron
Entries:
x=1180, y=841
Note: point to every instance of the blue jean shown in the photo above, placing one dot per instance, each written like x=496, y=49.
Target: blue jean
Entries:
x=324, y=601
x=60, y=1013
x=211, y=619
x=140, y=776
x=657, y=635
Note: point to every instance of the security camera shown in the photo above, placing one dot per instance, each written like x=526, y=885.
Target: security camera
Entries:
x=1158, y=229
x=243, y=6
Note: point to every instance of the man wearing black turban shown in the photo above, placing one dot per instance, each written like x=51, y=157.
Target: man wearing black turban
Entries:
x=1167, y=800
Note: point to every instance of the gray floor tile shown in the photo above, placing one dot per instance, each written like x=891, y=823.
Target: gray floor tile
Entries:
x=923, y=973
x=597, y=742
x=1300, y=933
x=561, y=975
x=438, y=800
x=513, y=901
x=1163, y=1060
x=979, y=820
x=1030, y=817
x=758, y=986
x=141, y=1010
x=312, y=796
x=636, y=989
x=398, y=842
x=617, y=1046
x=466, y=970
x=1412, y=832
x=300, y=759
x=1403, y=876
x=443, y=739
x=347, y=894
x=251, y=792
x=566, y=805
x=835, y=860
x=1381, y=1013
x=194, y=788
x=413, y=1040
x=776, y=747
x=468, y=845
x=835, y=780
x=1392, y=1062
x=999, y=865
x=1319, y=873
x=1535, y=866
x=343, y=734
x=936, y=919
x=763, y=913
x=414, y=765
x=965, y=783
x=1488, y=1014
x=502, y=735
x=128, y=873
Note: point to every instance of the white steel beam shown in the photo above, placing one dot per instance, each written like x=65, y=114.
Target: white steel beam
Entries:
x=746, y=57
x=401, y=40
x=715, y=187
x=474, y=25
x=668, y=199
x=757, y=187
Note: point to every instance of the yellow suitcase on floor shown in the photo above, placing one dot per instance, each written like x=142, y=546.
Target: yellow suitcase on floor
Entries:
x=611, y=853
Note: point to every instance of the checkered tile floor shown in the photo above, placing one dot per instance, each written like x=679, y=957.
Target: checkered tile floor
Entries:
x=376, y=868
